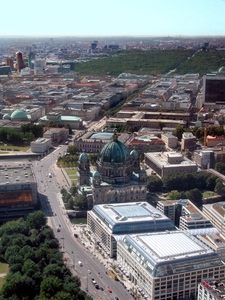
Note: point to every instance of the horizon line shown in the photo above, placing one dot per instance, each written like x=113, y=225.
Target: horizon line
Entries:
x=111, y=36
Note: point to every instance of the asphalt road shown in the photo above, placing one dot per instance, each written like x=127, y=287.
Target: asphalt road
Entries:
x=72, y=248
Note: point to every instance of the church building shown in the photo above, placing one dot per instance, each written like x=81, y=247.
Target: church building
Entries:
x=118, y=177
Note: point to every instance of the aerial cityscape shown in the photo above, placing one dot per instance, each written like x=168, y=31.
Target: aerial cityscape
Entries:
x=112, y=161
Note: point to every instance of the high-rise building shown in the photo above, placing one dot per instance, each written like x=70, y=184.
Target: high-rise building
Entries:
x=31, y=58
x=19, y=61
x=9, y=62
x=214, y=87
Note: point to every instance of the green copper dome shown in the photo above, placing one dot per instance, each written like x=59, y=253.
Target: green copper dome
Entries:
x=114, y=151
x=18, y=114
x=134, y=153
x=6, y=117
x=83, y=157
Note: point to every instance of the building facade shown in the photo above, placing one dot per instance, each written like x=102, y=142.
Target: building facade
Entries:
x=168, y=265
x=107, y=222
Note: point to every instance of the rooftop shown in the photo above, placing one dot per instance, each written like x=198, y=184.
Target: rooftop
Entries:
x=132, y=217
x=170, y=252
x=14, y=173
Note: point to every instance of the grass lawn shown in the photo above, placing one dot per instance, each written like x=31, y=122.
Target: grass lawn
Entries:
x=3, y=152
x=73, y=175
x=13, y=148
x=208, y=194
x=71, y=172
x=4, y=268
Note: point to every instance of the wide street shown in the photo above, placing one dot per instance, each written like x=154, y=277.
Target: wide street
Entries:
x=50, y=179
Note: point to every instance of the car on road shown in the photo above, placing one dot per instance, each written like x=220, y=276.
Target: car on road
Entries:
x=80, y=263
x=116, y=298
x=109, y=290
x=89, y=272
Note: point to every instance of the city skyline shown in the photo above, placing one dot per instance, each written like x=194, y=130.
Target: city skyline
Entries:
x=114, y=18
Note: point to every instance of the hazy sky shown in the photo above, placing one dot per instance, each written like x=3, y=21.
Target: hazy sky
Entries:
x=112, y=17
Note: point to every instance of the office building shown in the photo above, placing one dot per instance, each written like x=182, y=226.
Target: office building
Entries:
x=41, y=145
x=166, y=163
x=211, y=289
x=215, y=212
x=168, y=265
x=19, y=61
x=18, y=190
x=188, y=141
x=108, y=222
x=31, y=59
x=184, y=214
x=214, y=87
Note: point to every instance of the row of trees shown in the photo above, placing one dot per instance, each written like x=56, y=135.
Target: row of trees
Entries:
x=36, y=267
x=25, y=134
x=73, y=199
x=186, y=185
x=199, y=131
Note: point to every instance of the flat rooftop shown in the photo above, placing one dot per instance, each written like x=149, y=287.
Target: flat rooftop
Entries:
x=170, y=252
x=132, y=217
x=15, y=173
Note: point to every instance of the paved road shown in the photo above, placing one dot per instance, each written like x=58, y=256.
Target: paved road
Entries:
x=72, y=248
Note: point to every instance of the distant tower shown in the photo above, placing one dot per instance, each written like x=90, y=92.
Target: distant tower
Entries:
x=31, y=59
x=94, y=45
x=9, y=62
x=19, y=61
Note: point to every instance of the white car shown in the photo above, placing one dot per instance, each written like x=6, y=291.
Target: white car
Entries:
x=89, y=272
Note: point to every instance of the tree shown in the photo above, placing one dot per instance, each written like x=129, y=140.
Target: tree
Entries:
x=174, y=195
x=73, y=189
x=219, y=188
x=80, y=201
x=50, y=286
x=70, y=203
x=220, y=167
x=154, y=184
x=36, y=220
x=195, y=196
x=179, y=130
x=72, y=149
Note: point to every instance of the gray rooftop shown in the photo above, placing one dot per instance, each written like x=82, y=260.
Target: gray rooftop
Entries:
x=167, y=253
x=15, y=173
x=132, y=217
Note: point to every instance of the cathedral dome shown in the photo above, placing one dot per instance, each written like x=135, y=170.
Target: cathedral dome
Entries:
x=114, y=151
x=222, y=70
x=83, y=157
x=134, y=153
x=96, y=174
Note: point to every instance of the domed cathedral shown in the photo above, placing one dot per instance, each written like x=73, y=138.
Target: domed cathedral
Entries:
x=118, y=178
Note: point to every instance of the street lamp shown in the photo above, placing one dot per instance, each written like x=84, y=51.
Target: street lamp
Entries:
x=87, y=281
x=62, y=243
x=74, y=262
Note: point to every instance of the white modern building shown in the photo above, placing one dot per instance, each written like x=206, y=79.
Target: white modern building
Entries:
x=166, y=163
x=41, y=145
x=168, y=265
x=215, y=212
x=211, y=289
x=107, y=222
